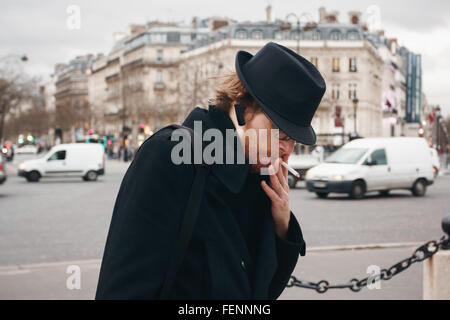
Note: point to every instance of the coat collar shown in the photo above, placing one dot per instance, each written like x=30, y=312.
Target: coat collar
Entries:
x=232, y=175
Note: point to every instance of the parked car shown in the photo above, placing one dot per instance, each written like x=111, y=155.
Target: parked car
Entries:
x=436, y=162
x=85, y=160
x=2, y=171
x=380, y=164
x=27, y=149
x=301, y=163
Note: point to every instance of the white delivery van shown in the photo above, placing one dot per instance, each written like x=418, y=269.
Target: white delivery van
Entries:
x=85, y=160
x=379, y=164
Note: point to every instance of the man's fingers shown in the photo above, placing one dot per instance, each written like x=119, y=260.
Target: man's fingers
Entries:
x=270, y=192
x=277, y=184
x=282, y=175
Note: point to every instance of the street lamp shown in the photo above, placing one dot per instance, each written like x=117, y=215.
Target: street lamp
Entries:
x=310, y=25
x=355, y=107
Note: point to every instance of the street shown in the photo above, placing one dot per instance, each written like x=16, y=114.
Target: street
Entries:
x=46, y=226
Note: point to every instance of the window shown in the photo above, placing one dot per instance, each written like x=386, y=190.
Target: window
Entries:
x=335, y=91
x=277, y=35
x=159, y=56
x=173, y=37
x=336, y=65
x=352, y=91
x=241, y=34
x=352, y=65
x=159, y=76
x=185, y=38
x=336, y=35
x=346, y=156
x=257, y=34
x=378, y=158
x=316, y=35
x=353, y=35
x=59, y=155
x=158, y=37
x=315, y=61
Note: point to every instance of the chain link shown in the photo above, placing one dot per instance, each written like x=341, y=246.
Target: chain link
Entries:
x=420, y=254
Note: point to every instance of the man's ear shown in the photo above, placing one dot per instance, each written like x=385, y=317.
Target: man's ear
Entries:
x=240, y=114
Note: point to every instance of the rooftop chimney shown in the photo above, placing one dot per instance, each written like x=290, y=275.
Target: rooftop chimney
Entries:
x=269, y=14
x=354, y=17
x=322, y=14
x=194, y=23
x=332, y=17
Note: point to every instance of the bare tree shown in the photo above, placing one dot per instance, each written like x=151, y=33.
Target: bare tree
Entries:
x=15, y=85
x=198, y=81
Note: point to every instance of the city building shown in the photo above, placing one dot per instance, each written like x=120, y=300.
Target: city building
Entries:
x=348, y=61
x=158, y=72
x=134, y=88
x=73, y=114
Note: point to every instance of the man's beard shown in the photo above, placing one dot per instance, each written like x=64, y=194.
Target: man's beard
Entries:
x=260, y=163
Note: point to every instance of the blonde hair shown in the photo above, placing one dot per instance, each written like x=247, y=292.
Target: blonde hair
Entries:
x=232, y=89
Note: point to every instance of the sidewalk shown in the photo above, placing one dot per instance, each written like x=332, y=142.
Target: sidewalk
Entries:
x=48, y=281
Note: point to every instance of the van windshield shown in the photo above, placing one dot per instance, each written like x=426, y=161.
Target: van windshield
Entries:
x=347, y=156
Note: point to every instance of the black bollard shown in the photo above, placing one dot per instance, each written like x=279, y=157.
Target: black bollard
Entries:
x=446, y=228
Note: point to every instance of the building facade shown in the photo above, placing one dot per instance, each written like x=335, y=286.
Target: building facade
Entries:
x=157, y=73
x=72, y=109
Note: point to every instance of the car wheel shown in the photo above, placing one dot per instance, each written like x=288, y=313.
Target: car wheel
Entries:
x=384, y=193
x=358, y=190
x=91, y=176
x=419, y=188
x=292, y=181
x=322, y=195
x=33, y=176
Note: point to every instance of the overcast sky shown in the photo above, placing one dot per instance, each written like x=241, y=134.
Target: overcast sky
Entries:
x=39, y=28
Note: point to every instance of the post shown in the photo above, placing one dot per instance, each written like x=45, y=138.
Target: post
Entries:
x=355, y=106
x=436, y=271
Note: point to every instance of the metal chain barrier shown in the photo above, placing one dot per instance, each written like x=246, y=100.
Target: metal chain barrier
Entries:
x=420, y=254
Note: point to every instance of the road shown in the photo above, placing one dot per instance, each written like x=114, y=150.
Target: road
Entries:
x=61, y=220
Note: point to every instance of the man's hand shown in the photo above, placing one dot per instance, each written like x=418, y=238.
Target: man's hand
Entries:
x=278, y=193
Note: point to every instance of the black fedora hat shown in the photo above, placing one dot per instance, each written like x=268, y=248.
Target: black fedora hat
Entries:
x=288, y=87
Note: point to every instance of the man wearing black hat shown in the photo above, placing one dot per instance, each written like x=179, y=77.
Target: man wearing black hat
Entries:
x=244, y=241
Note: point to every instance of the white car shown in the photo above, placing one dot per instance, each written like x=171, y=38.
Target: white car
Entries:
x=436, y=162
x=380, y=164
x=85, y=160
x=27, y=149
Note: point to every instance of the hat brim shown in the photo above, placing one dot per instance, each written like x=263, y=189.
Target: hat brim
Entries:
x=304, y=135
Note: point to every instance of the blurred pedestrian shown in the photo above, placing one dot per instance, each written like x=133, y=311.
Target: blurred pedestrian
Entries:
x=446, y=155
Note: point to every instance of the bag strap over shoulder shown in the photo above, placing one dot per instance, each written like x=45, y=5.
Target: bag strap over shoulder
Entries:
x=187, y=224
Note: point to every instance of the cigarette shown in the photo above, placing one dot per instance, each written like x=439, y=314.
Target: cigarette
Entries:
x=295, y=173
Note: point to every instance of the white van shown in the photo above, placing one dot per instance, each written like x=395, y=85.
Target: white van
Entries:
x=85, y=160
x=380, y=164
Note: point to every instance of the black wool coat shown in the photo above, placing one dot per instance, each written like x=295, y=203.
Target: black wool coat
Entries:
x=234, y=252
